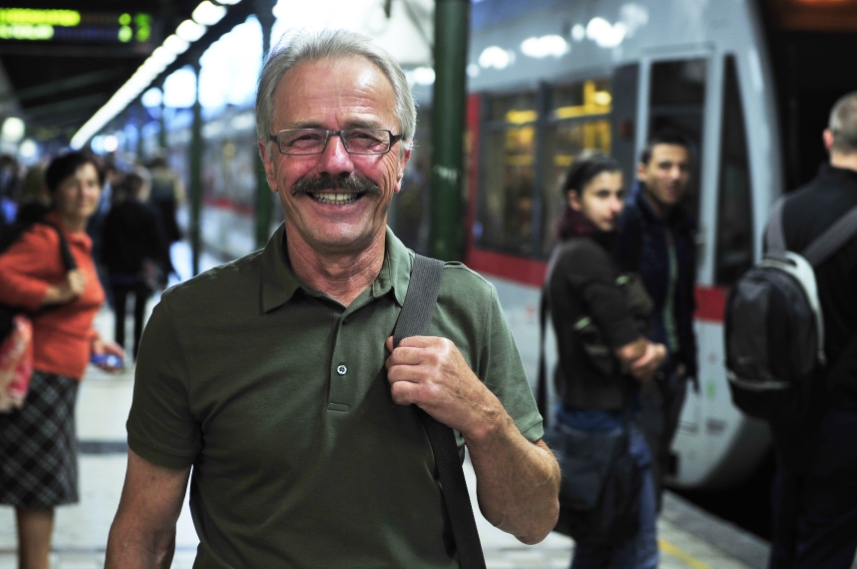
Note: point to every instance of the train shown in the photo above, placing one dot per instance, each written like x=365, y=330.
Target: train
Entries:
x=750, y=82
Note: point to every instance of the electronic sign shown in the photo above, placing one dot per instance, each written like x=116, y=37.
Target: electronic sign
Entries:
x=73, y=26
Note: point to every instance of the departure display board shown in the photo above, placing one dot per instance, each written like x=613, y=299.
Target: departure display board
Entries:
x=73, y=26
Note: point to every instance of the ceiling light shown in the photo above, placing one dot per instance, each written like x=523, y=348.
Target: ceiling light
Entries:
x=190, y=30
x=176, y=45
x=208, y=14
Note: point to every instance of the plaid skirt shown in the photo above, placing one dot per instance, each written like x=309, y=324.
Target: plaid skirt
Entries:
x=38, y=448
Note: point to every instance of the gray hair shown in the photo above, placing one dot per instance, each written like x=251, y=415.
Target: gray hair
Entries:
x=328, y=44
x=843, y=124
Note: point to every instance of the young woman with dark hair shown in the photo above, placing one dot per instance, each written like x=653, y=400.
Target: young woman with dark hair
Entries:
x=600, y=321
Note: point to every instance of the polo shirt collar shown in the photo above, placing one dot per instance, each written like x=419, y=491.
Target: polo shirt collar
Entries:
x=280, y=283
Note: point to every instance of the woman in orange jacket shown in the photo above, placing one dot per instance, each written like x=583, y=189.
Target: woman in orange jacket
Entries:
x=38, y=463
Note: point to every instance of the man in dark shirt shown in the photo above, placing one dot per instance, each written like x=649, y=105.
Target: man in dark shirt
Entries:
x=656, y=241
x=815, y=494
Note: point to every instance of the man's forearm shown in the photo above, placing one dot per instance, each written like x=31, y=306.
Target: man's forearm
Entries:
x=517, y=481
x=127, y=549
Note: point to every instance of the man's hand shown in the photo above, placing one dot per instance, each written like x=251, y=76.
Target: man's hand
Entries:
x=517, y=481
x=68, y=289
x=431, y=372
x=645, y=367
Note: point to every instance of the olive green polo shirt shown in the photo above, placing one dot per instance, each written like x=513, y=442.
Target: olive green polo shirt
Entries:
x=278, y=397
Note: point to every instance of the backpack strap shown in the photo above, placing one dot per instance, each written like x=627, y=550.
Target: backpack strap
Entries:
x=774, y=237
x=832, y=239
x=414, y=320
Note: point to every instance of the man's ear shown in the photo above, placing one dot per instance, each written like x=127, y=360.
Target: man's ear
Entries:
x=827, y=136
x=641, y=172
x=269, y=165
x=403, y=161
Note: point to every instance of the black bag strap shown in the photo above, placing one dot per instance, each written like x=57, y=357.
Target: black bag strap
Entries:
x=823, y=246
x=65, y=252
x=414, y=320
x=542, y=381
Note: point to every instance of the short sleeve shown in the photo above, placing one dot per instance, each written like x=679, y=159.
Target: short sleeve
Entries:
x=501, y=369
x=161, y=427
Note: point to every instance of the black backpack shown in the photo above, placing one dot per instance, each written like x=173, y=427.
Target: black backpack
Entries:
x=8, y=235
x=774, y=327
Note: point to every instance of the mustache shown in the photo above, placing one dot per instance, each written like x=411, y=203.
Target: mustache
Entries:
x=350, y=183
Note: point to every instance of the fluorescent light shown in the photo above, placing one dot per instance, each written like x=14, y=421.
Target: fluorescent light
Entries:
x=544, y=46
x=496, y=57
x=176, y=45
x=208, y=14
x=190, y=31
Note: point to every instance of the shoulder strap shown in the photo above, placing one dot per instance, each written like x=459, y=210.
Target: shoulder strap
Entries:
x=414, y=320
x=774, y=237
x=542, y=382
x=65, y=252
x=832, y=239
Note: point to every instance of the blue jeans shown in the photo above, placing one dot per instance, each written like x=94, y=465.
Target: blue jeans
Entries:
x=641, y=552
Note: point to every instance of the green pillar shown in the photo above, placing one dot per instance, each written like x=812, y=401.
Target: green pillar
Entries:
x=195, y=201
x=451, y=24
x=264, y=200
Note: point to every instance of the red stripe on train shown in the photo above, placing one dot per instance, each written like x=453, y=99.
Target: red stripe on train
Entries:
x=710, y=301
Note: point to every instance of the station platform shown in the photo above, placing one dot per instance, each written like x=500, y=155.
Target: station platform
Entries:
x=689, y=537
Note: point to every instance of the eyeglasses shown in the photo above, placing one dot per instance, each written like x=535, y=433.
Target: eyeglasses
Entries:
x=362, y=141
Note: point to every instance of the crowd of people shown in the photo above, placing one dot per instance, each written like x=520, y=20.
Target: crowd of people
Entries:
x=277, y=380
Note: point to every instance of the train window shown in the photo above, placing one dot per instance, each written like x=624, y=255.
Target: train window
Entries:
x=579, y=121
x=734, y=210
x=506, y=208
x=677, y=101
x=678, y=82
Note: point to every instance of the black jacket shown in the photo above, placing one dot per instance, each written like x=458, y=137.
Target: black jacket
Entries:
x=582, y=282
x=641, y=247
x=806, y=214
x=133, y=232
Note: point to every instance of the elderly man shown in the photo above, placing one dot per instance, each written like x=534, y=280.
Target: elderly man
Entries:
x=275, y=376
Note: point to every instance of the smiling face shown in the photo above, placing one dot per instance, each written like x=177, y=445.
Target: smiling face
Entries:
x=76, y=196
x=602, y=200
x=335, y=202
x=665, y=176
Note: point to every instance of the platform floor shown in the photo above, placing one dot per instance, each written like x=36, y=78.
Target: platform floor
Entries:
x=689, y=538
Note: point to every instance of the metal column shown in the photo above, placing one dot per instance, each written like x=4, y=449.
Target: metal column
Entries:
x=196, y=174
x=451, y=26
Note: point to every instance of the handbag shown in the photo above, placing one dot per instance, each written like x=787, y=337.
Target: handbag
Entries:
x=16, y=364
x=601, y=482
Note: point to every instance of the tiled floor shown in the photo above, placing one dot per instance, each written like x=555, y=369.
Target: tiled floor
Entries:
x=81, y=530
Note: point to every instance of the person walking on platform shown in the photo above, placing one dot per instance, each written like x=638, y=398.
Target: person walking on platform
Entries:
x=167, y=195
x=135, y=252
x=596, y=393
x=276, y=377
x=815, y=495
x=656, y=241
x=38, y=463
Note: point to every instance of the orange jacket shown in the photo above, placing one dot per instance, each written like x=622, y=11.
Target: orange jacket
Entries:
x=62, y=338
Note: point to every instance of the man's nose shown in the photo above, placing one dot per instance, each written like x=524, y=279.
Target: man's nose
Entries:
x=335, y=159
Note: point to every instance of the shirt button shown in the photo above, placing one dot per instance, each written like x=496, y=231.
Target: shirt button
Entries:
x=341, y=369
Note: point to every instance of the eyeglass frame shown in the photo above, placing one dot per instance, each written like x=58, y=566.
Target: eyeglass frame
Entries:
x=394, y=138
